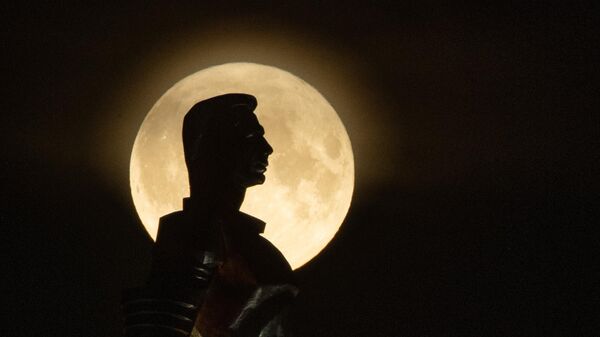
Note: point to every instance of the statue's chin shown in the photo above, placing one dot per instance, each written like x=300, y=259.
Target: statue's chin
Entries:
x=255, y=179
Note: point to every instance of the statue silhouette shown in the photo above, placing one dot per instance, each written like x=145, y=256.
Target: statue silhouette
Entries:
x=212, y=273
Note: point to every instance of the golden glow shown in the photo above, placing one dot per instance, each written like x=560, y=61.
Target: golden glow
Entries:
x=347, y=83
x=310, y=179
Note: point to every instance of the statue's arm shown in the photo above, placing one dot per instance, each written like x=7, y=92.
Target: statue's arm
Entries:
x=182, y=269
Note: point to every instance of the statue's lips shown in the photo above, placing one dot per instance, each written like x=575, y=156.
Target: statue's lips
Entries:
x=259, y=166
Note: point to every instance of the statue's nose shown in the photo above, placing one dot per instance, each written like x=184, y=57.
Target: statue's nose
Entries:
x=268, y=150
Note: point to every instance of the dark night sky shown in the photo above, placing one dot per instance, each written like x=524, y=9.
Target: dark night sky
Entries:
x=484, y=228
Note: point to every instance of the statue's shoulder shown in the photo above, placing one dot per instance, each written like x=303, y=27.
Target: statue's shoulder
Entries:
x=172, y=228
x=259, y=255
x=175, y=217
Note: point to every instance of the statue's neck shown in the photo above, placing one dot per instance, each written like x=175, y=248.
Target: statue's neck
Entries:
x=223, y=199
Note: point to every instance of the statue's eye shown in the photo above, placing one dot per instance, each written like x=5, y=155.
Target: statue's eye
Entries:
x=250, y=135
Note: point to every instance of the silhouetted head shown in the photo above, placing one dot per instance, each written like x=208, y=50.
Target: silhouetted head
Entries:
x=224, y=143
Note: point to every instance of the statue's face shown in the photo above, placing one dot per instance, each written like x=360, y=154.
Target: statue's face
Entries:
x=249, y=152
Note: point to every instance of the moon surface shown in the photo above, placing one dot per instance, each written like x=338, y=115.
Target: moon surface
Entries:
x=310, y=178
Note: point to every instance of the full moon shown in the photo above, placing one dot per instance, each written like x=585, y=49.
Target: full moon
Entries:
x=310, y=178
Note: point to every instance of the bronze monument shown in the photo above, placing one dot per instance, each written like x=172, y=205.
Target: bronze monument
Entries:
x=212, y=273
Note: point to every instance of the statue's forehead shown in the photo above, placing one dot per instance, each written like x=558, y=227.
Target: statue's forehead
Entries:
x=248, y=122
